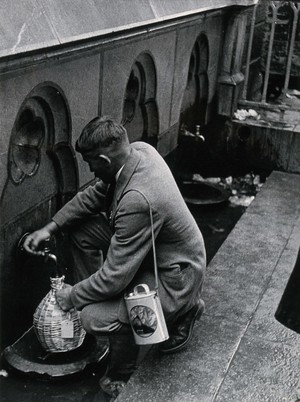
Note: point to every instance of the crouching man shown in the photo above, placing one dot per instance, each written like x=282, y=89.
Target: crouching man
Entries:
x=110, y=229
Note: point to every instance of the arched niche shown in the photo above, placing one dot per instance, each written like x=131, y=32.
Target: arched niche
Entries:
x=40, y=146
x=195, y=98
x=193, y=111
x=41, y=176
x=140, y=114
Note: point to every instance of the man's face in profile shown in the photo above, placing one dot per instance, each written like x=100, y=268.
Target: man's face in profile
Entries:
x=99, y=164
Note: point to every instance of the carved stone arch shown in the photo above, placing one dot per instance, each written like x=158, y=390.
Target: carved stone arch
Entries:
x=41, y=176
x=195, y=98
x=140, y=113
x=60, y=149
x=203, y=45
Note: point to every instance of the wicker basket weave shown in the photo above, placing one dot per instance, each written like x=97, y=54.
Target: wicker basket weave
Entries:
x=48, y=319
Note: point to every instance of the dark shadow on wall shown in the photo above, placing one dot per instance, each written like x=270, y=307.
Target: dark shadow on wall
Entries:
x=140, y=113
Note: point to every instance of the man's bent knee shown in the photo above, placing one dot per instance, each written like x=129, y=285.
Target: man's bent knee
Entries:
x=95, y=321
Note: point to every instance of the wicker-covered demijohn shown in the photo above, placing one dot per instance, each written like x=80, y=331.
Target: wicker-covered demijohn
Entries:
x=57, y=330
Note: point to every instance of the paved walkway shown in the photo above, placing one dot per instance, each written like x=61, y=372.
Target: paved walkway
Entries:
x=239, y=352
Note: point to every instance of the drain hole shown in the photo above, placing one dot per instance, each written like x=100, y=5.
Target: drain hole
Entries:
x=244, y=133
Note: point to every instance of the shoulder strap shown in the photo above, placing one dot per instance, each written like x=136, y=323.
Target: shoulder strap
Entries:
x=152, y=235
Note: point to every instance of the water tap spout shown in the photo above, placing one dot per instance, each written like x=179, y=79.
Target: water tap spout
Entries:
x=49, y=256
x=198, y=135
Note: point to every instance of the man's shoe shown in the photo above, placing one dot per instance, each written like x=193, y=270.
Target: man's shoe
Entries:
x=182, y=329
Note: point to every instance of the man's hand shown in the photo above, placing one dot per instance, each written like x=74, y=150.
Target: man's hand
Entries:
x=33, y=240
x=63, y=298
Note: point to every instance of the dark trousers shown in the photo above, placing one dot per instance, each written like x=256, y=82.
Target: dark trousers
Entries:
x=90, y=241
x=89, y=244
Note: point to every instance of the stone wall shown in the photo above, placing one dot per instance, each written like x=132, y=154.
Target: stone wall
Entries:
x=46, y=101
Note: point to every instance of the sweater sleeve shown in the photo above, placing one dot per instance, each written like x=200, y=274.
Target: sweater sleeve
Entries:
x=129, y=246
x=87, y=202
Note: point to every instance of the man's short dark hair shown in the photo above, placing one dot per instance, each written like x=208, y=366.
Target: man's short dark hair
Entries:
x=100, y=132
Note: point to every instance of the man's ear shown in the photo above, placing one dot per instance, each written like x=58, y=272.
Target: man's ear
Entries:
x=105, y=158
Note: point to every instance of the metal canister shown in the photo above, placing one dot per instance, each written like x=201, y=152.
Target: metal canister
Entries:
x=146, y=316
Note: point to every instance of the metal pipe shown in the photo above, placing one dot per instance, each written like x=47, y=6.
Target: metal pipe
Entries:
x=249, y=52
x=268, y=64
x=291, y=48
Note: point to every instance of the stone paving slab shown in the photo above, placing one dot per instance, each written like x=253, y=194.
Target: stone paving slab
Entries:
x=261, y=371
x=279, y=198
x=190, y=375
x=263, y=324
x=239, y=352
x=238, y=276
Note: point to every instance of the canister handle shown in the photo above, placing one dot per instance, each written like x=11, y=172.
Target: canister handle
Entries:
x=142, y=285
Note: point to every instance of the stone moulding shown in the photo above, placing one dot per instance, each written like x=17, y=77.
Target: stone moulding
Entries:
x=50, y=25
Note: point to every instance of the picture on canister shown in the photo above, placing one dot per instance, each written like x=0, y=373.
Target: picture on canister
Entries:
x=143, y=320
